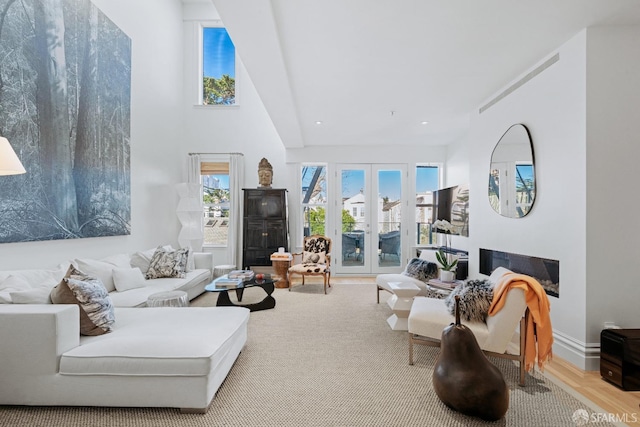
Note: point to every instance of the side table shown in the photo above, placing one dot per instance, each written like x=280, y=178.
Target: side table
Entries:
x=440, y=289
x=168, y=299
x=281, y=261
x=400, y=302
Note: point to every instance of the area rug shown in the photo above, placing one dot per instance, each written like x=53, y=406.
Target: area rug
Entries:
x=326, y=360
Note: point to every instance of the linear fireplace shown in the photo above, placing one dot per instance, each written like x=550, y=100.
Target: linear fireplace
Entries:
x=546, y=271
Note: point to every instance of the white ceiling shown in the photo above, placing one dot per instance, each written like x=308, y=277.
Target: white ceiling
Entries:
x=373, y=70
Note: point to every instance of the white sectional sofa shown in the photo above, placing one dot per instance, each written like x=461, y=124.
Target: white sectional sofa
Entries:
x=34, y=286
x=151, y=357
x=154, y=357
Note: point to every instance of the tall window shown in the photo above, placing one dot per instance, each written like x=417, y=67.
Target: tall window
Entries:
x=314, y=199
x=218, y=67
x=427, y=181
x=216, y=196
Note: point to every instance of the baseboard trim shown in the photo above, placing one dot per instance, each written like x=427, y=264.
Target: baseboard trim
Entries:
x=585, y=356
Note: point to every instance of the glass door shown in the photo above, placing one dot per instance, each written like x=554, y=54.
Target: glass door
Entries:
x=369, y=238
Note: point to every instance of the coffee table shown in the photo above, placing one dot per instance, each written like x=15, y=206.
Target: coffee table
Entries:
x=224, y=300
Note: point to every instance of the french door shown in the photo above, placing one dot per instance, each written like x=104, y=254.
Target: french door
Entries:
x=370, y=208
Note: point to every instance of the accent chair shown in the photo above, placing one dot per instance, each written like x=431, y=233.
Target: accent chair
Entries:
x=314, y=260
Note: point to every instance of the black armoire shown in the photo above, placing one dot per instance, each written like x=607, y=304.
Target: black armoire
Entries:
x=265, y=227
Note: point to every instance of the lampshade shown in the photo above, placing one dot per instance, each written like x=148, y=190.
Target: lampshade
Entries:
x=9, y=162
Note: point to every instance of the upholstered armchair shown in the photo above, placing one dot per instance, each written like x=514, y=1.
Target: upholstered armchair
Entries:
x=314, y=260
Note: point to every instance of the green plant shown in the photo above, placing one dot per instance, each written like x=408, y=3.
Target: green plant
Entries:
x=444, y=261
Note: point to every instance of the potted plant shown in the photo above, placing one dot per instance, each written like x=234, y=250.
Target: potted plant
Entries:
x=447, y=266
x=447, y=262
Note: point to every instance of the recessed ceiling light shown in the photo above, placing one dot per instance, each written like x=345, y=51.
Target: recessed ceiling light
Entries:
x=424, y=122
x=318, y=122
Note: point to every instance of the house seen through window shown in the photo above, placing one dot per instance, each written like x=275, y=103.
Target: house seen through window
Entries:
x=216, y=198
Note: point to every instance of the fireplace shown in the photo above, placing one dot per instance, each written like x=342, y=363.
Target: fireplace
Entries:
x=546, y=271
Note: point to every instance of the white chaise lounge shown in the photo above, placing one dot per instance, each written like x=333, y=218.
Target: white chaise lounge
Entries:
x=154, y=357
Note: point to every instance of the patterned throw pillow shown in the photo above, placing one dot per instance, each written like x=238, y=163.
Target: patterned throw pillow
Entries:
x=96, y=308
x=315, y=251
x=314, y=258
x=475, y=300
x=166, y=263
x=421, y=269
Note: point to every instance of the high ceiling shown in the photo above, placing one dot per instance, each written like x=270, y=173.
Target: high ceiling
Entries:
x=372, y=71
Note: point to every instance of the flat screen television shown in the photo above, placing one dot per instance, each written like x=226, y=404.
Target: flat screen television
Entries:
x=452, y=204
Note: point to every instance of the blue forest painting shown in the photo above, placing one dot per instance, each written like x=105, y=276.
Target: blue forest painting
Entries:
x=65, y=91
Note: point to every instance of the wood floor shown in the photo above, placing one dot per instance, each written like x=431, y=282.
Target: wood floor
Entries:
x=625, y=404
x=589, y=384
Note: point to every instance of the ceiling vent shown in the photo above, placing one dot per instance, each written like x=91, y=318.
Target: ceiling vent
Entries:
x=546, y=64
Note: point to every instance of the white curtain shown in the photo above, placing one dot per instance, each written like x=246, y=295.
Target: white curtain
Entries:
x=236, y=182
x=193, y=169
x=190, y=208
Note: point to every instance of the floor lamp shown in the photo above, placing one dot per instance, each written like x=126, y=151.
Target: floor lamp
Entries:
x=9, y=162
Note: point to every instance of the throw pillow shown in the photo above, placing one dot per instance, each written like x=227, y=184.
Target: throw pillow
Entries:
x=98, y=269
x=128, y=278
x=142, y=259
x=17, y=285
x=14, y=282
x=421, y=270
x=168, y=263
x=314, y=257
x=96, y=308
x=475, y=300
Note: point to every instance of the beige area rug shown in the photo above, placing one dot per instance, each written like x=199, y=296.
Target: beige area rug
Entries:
x=325, y=360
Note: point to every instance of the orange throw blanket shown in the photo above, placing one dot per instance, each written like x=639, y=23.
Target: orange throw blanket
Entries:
x=539, y=329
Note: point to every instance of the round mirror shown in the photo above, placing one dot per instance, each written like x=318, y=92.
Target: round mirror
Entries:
x=512, y=178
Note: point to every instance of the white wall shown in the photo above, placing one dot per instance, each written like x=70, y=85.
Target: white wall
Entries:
x=582, y=114
x=156, y=125
x=613, y=150
x=245, y=128
x=553, y=106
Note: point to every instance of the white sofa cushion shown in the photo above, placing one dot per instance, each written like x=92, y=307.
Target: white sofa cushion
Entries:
x=36, y=277
x=138, y=297
x=429, y=316
x=163, y=341
x=27, y=280
x=12, y=284
x=125, y=279
x=39, y=295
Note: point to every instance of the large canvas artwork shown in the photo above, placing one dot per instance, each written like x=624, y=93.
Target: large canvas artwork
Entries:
x=65, y=84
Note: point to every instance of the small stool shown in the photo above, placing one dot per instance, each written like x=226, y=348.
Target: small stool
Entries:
x=221, y=270
x=168, y=299
x=400, y=303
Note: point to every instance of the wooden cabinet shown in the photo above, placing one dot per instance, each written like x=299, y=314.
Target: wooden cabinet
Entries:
x=265, y=227
x=620, y=357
